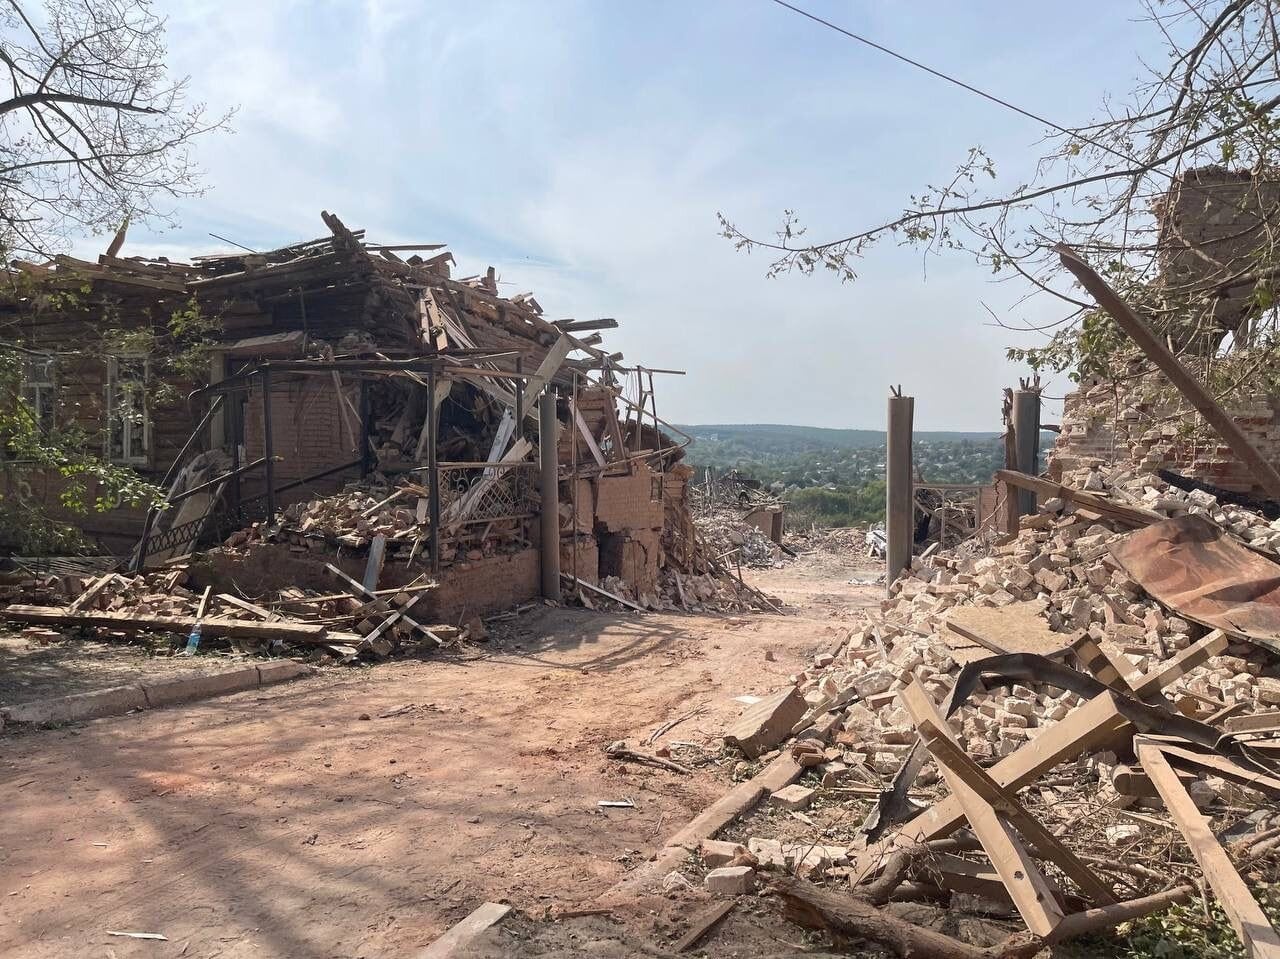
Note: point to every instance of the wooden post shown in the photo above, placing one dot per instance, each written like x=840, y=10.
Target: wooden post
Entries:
x=1150, y=344
x=433, y=475
x=366, y=414
x=519, y=385
x=267, y=446
x=899, y=485
x=550, y=492
x=1026, y=436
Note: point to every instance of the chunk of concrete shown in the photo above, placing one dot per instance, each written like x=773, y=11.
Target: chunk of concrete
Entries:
x=768, y=852
x=794, y=796
x=730, y=880
x=717, y=852
x=767, y=723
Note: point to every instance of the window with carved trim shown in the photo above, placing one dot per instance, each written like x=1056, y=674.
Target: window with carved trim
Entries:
x=39, y=387
x=128, y=420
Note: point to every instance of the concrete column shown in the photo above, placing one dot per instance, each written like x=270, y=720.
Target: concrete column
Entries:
x=899, y=485
x=1026, y=437
x=548, y=440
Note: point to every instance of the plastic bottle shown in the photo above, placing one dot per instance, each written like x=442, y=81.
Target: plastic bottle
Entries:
x=193, y=640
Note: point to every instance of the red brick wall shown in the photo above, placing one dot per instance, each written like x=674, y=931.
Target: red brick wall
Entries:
x=1136, y=429
x=486, y=586
x=306, y=428
x=630, y=502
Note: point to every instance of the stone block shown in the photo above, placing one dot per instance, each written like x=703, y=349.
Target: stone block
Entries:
x=730, y=880
x=794, y=796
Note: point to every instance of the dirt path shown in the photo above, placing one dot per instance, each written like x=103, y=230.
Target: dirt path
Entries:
x=282, y=823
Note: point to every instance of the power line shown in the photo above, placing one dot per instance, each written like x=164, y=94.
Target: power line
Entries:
x=928, y=69
x=972, y=89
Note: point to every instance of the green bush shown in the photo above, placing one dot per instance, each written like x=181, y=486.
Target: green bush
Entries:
x=838, y=506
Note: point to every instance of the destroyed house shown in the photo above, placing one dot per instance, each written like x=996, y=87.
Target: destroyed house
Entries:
x=343, y=372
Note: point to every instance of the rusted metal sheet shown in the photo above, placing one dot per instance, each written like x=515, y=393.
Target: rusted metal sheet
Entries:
x=1196, y=569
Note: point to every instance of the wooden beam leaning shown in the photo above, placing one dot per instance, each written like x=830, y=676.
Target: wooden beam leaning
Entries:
x=1095, y=722
x=956, y=764
x=1226, y=768
x=1188, y=659
x=1190, y=387
x=1047, y=488
x=1092, y=724
x=359, y=590
x=1095, y=659
x=85, y=598
x=1027, y=886
x=1245, y=915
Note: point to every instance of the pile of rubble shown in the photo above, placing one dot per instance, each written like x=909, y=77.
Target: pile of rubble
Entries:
x=355, y=622
x=1044, y=662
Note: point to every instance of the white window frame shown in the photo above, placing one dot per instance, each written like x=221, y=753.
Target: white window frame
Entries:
x=36, y=391
x=135, y=438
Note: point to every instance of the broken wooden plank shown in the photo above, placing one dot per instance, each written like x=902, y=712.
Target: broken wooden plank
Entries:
x=383, y=606
x=603, y=592
x=1169, y=672
x=373, y=568
x=458, y=940
x=247, y=606
x=548, y=368
x=1243, y=912
x=590, y=440
x=1257, y=723
x=1103, y=667
x=96, y=587
x=703, y=923
x=203, y=607
x=1048, y=489
x=1222, y=766
x=132, y=622
x=940, y=741
x=394, y=618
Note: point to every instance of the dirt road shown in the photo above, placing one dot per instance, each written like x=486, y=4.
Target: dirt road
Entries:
x=362, y=812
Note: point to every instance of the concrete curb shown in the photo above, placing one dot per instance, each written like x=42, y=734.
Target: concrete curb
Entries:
x=117, y=700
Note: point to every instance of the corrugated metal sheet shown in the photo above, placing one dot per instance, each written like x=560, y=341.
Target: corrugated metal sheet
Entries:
x=1196, y=569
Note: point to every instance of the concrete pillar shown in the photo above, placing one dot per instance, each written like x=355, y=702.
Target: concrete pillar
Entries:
x=1026, y=436
x=548, y=441
x=899, y=481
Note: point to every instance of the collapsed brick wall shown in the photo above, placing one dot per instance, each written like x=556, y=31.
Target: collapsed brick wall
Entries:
x=1212, y=223
x=1131, y=428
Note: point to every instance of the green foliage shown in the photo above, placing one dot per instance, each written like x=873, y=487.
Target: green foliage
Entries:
x=1180, y=932
x=839, y=506
x=87, y=483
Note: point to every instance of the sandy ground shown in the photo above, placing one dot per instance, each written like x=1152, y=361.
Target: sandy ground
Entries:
x=362, y=812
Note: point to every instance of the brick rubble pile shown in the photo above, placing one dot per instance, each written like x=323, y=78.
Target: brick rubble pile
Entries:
x=1059, y=561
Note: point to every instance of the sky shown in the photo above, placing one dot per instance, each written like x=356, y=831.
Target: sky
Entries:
x=584, y=148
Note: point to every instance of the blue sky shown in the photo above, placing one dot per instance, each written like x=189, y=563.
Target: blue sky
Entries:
x=584, y=149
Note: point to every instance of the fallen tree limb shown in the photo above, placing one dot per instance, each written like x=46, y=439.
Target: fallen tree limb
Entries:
x=852, y=917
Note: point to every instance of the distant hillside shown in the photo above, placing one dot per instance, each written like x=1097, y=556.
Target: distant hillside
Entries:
x=810, y=456
x=776, y=438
